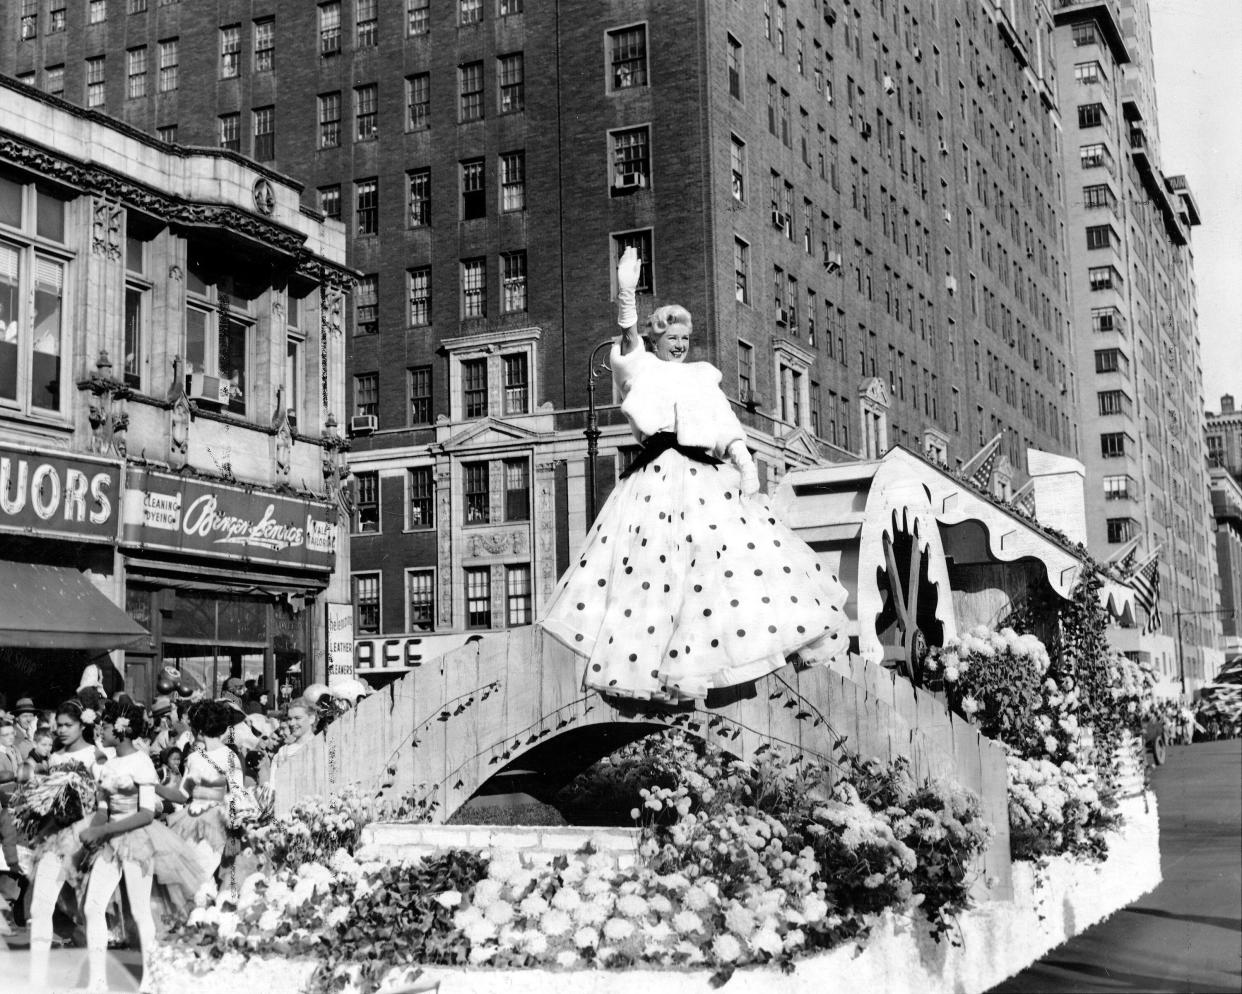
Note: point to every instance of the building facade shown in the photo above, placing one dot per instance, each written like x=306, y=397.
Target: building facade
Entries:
x=171, y=359
x=1224, y=438
x=1135, y=326
x=859, y=203
x=1227, y=511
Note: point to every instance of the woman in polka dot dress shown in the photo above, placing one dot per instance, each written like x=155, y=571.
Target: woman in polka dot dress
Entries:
x=687, y=581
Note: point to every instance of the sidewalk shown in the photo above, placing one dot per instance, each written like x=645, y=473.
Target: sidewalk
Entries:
x=67, y=968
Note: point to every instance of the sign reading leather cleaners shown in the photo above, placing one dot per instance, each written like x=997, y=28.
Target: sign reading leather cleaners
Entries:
x=216, y=519
x=58, y=495
x=340, y=641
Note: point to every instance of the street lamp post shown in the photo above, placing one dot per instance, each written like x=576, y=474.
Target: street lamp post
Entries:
x=1178, y=616
x=594, y=370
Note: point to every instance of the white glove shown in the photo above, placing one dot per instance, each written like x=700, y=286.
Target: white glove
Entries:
x=627, y=281
x=740, y=459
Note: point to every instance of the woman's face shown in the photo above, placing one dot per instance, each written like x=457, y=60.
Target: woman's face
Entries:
x=68, y=730
x=174, y=762
x=107, y=734
x=673, y=345
x=300, y=724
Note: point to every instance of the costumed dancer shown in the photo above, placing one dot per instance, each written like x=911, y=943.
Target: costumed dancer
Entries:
x=57, y=808
x=687, y=581
x=124, y=842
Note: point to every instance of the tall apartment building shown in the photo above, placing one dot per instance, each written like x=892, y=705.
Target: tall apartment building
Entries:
x=1135, y=319
x=859, y=203
x=1224, y=437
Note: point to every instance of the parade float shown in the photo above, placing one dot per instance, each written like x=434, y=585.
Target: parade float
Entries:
x=935, y=811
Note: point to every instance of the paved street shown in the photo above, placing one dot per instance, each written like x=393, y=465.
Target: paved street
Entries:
x=1186, y=935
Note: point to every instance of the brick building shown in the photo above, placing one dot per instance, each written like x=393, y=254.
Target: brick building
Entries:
x=168, y=369
x=858, y=203
x=1224, y=437
x=1135, y=315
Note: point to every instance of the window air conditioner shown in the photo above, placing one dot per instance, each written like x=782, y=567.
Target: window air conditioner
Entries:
x=779, y=220
x=363, y=424
x=833, y=262
x=950, y=284
x=209, y=389
x=918, y=54
x=629, y=181
x=782, y=316
x=948, y=216
x=889, y=85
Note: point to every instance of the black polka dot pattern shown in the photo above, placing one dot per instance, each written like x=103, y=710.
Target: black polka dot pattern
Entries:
x=661, y=607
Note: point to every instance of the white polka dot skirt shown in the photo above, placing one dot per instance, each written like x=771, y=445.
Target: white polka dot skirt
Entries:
x=684, y=585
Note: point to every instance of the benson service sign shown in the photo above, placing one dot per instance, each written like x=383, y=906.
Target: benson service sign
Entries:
x=59, y=495
x=214, y=519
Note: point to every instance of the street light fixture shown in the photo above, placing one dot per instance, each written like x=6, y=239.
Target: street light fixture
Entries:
x=1178, y=616
x=594, y=370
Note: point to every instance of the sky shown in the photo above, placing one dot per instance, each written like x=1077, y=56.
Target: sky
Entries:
x=1198, y=51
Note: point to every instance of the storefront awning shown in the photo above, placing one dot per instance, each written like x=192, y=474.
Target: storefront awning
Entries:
x=56, y=607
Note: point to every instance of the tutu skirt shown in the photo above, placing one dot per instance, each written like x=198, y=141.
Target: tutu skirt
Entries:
x=162, y=853
x=209, y=824
x=683, y=585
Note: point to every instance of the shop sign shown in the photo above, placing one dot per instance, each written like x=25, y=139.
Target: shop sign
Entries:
x=340, y=641
x=58, y=495
x=216, y=519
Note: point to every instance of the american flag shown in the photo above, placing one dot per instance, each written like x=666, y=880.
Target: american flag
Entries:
x=1146, y=584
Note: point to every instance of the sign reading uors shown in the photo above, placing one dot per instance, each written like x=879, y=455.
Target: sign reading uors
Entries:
x=58, y=495
x=198, y=516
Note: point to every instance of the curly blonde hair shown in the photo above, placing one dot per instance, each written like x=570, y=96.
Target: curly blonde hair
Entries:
x=662, y=318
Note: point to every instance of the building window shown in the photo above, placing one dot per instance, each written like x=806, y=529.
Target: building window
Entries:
x=169, y=56
x=734, y=66
x=30, y=19
x=217, y=349
x=507, y=7
x=330, y=28
x=56, y=17
x=745, y=372
x=1098, y=196
x=422, y=498
x=513, y=265
x=1090, y=115
x=366, y=394
x=419, y=197
x=478, y=597
x=265, y=45
x=1085, y=33
x=366, y=504
x=518, y=595
x=366, y=603
x=95, y=81
x=366, y=306
x=420, y=296
x=366, y=20
x=470, y=87
x=1113, y=402
x=1099, y=236
x=741, y=271
x=476, y=477
x=631, y=160
x=230, y=51
x=230, y=132
x=1117, y=487
x=366, y=104
x=136, y=70
x=517, y=489
x=1088, y=72
x=627, y=57
x=517, y=383
x=418, y=16
x=1093, y=156
x=1110, y=361
x=418, y=101
x=1112, y=444
x=1102, y=277
x=512, y=83
x=366, y=206
x=421, y=588
x=137, y=6
x=330, y=120
x=470, y=11
x=641, y=242
x=474, y=387
x=54, y=80
x=97, y=11
x=420, y=395
x=31, y=327
x=737, y=168
x=1105, y=319
x=474, y=288
x=1120, y=530
x=473, y=190
x=264, y=133
x=293, y=370
x=513, y=181
x=330, y=201
x=166, y=133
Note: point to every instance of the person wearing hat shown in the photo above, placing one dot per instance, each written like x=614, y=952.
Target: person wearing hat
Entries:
x=162, y=734
x=234, y=693
x=27, y=716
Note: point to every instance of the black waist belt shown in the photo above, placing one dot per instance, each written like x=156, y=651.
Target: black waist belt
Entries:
x=661, y=442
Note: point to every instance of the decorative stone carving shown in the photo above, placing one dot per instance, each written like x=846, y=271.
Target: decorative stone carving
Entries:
x=264, y=197
x=497, y=543
x=282, y=441
x=108, y=411
x=179, y=415
x=175, y=273
x=107, y=219
x=332, y=312
x=444, y=546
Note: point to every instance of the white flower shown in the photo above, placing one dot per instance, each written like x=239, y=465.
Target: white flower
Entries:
x=88, y=716
x=486, y=891
x=687, y=921
x=794, y=938
x=226, y=924
x=595, y=885
x=814, y=907
x=592, y=912
x=499, y=912
x=617, y=929
x=632, y=906
x=270, y=920
x=659, y=904
x=121, y=724
x=555, y=922
x=535, y=943
x=1050, y=744
x=533, y=906
x=567, y=899
x=726, y=948
x=479, y=931
x=481, y=954
x=449, y=899
x=586, y=938
x=951, y=674
x=767, y=940
x=659, y=932
x=969, y=706
x=691, y=951
x=337, y=916
x=566, y=959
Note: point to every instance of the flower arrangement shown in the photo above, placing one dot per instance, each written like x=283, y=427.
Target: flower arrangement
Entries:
x=63, y=796
x=1055, y=809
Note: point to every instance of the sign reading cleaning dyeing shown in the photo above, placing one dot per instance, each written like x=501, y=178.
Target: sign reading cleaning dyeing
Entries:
x=215, y=519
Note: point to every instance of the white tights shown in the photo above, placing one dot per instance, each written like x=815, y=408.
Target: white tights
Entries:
x=49, y=877
x=105, y=875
